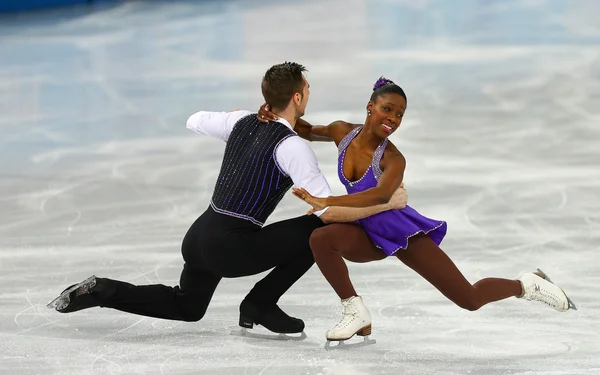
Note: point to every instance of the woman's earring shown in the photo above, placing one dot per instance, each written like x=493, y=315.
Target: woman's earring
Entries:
x=369, y=112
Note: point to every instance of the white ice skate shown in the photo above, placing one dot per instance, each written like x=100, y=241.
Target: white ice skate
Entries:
x=356, y=320
x=537, y=286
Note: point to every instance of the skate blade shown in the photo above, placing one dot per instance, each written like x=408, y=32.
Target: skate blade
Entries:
x=243, y=332
x=545, y=276
x=343, y=346
x=63, y=300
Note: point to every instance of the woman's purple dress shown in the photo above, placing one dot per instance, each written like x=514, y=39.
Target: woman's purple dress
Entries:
x=389, y=230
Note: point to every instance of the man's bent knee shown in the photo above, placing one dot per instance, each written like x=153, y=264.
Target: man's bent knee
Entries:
x=192, y=314
x=190, y=306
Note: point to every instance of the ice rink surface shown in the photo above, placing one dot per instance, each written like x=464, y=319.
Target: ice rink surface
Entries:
x=98, y=175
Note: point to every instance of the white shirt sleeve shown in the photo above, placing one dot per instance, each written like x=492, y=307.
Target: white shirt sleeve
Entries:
x=215, y=124
x=298, y=160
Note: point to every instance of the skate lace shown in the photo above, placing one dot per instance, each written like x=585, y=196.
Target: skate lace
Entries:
x=348, y=316
x=540, y=294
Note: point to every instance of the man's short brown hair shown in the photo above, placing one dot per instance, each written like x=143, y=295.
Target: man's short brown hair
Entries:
x=281, y=82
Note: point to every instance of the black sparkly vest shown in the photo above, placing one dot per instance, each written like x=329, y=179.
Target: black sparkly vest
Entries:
x=250, y=183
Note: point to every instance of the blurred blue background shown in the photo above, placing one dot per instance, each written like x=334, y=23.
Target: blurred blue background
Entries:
x=29, y=5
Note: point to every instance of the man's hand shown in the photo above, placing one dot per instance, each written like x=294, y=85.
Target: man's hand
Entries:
x=399, y=199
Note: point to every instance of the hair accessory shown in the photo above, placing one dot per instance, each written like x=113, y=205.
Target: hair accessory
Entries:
x=382, y=81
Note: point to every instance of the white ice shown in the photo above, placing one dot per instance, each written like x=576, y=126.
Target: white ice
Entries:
x=98, y=175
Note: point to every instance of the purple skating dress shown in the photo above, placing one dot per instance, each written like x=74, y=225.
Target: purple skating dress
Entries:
x=389, y=230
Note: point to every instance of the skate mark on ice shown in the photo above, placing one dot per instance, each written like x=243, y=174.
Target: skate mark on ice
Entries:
x=163, y=363
x=266, y=367
x=126, y=328
x=102, y=358
x=34, y=307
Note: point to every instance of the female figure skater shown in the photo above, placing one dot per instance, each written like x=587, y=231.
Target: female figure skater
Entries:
x=371, y=168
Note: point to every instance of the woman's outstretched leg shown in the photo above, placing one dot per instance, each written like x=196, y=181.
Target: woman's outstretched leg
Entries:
x=429, y=261
x=330, y=246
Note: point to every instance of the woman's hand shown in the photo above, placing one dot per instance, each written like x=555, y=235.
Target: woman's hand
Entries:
x=265, y=115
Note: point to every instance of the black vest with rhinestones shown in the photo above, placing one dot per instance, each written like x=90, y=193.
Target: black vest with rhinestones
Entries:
x=250, y=183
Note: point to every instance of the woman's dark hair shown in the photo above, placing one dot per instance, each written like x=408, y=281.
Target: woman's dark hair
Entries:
x=386, y=86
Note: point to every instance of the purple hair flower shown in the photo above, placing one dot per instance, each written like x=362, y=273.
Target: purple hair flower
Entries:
x=382, y=81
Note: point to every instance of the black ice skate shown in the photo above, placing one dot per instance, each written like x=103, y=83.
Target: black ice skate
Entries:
x=272, y=318
x=78, y=296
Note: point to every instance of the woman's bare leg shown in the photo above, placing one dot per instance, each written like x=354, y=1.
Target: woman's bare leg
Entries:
x=332, y=244
x=429, y=261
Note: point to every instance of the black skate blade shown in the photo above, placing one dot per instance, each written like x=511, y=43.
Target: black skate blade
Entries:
x=243, y=332
x=64, y=296
x=343, y=346
x=547, y=278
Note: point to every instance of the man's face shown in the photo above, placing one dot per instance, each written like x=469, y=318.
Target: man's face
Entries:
x=304, y=98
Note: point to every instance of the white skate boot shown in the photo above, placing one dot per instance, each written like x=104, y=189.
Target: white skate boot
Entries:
x=356, y=320
x=537, y=286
